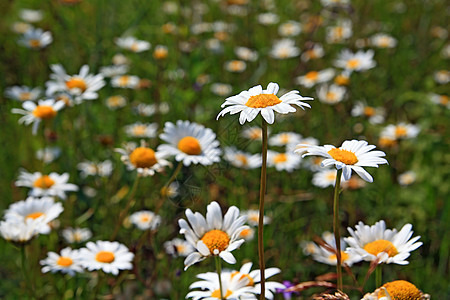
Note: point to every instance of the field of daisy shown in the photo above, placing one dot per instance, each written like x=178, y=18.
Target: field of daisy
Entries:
x=224, y=149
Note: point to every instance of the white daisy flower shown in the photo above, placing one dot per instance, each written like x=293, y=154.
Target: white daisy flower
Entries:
x=36, y=113
x=253, y=133
x=23, y=93
x=21, y=27
x=54, y=184
x=283, y=49
x=76, y=235
x=398, y=289
x=190, y=143
x=268, y=18
x=383, y=40
x=120, y=59
x=145, y=110
x=235, y=66
x=36, y=38
x=82, y=86
x=400, y=131
x=290, y=28
x=43, y=208
x=315, y=52
x=339, y=33
x=48, y=154
x=178, y=247
x=143, y=159
x=314, y=77
x=110, y=257
x=213, y=235
x=114, y=70
x=132, y=44
x=407, y=178
x=334, y=3
x=252, y=216
x=89, y=168
x=233, y=287
x=352, y=155
x=303, y=144
x=125, y=82
x=331, y=94
x=145, y=220
x=31, y=15
x=256, y=100
x=343, y=78
x=69, y=261
x=21, y=231
x=284, y=139
x=115, y=102
x=386, y=245
x=283, y=161
x=221, y=89
x=141, y=130
x=359, y=61
x=325, y=178
x=327, y=255
x=374, y=114
x=246, y=54
x=247, y=234
x=160, y=52
x=241, y=159
x=170, y=191
x=440, y=100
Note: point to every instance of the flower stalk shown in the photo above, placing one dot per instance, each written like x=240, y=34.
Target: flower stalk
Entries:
x=219, y=271
x=336, y=226
x=262, y=192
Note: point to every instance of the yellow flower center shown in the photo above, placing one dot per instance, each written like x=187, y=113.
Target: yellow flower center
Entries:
x=280, y=158
x=353, y=63
x=145, y=219
x=25, y=96
x=34, y=43
x=331, y=96
x=160, y=53
x=190, y=145
x=331, y=176
x=242, y=159
x=369, y=111
x=180, y=248
x=77, y=237
x=216, y=294
x=245, y=233
x=333, y=257
x=313, y=75
x=386, y=142
x=123, y=80
x=400, y=131
x=216, y=239
x=341, y=80
x=236, y=65
x=115, y=101
x=339, y=31
x=380, y=246
x=312, y=53
x=263, y=100
x=344, y=156
x=251, y=282
x=34, y=215
x=44, y=112
x=284, y=138
x=143, y=157
x=139, y=130
x=256, y=134
x=134, y=47
x=443, y=100
x=402, y=290
x=64, y=261
x=76, y=83
x=44, y=182
x=105, y=257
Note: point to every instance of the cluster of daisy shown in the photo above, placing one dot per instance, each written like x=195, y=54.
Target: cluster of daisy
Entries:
x=31, y=37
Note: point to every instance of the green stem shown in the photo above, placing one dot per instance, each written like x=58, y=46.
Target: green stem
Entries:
x=336, y=226
x=262, y=192
x=164, y=188
x=378, y=276
x=219, y=271
x=124, y=212
x=26, y=277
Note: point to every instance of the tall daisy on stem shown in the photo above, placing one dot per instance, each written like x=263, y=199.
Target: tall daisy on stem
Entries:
x=249, y=104
x=351, y=156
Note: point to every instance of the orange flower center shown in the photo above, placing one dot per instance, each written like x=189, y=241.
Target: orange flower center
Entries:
x=331, y=176
x=331, y=96
x=76, y=83
x=386, y=142
x=216, y=240
x=34, y=215
x=44, y=112
x=245, y=233
x=402, y=290
x=443, y=99
x=160, y=53
x=134, y=47
x=145, y=219
x=344, y=156
x=280, y=158
x=333, y=257
x=256, y=134
x=263, y=100
x=123, y=80
x=242, y=159
x=353, y=63
x=251, y=282
x=190, y=145
x=313, y=75
x=64, y=261
x=341, y=80
x=216, y=294
x=25, y=96
x=236, y=65
x=34, y=43
x=105, y=257
x=44, y=182
x=369, y=111
x=139, y=130
x=400, y=131
x=143, y=157
x=380, y=246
